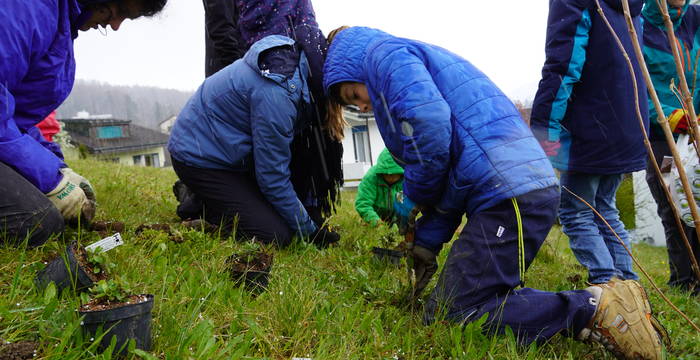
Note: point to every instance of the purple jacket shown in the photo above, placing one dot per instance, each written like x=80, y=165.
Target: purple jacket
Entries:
x=37, y=70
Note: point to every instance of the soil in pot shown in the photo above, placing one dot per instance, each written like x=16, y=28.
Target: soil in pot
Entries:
x=126, y=320
x=389, y=255
x=251, y=268
x=69, y=269
x=19, y=351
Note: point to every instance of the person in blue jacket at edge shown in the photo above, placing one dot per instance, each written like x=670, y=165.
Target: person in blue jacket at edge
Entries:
x=659, y=59
x=585, y=117
x=315, y=164
x=466, y=150
x=40, y=193
x=232, y=144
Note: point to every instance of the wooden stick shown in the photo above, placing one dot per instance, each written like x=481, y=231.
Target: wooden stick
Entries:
x=687, y=96
x=664, y=125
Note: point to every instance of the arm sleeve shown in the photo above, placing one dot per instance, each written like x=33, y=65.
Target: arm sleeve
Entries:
x=272, y=125
x=366, y=193
x=415, y=108
x=19, y=149
x=568, y=29
x=221, y=23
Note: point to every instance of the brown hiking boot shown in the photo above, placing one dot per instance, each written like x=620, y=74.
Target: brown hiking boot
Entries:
x=622, y=322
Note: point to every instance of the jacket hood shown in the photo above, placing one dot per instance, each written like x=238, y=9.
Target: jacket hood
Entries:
x=252, y=57
x=386, y=164
x=346, y=55
x=635, y=6
x=652, y=13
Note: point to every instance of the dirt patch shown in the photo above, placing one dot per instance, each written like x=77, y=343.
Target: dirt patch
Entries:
x=253, y=261
x=19, y=350
x=81, y=257
x=106, y=228
x=103, y=304
x=157, y=227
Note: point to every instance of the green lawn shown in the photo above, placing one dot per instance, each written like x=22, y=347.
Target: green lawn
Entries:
x=332, y=304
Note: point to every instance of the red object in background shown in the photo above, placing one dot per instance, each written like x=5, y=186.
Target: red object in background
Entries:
x=49, y=126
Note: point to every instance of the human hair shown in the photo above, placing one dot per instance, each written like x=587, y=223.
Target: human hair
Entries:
x=148, y=7
x=335, y=122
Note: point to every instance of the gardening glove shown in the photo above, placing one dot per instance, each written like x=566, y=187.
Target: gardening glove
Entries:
x=678, y=121
x=71, y=201
x=403, y=206
x=84, y=184
x=424, y=267
x=324, y=236
x=551, y=148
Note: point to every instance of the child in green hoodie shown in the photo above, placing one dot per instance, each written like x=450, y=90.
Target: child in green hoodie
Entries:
x=377, y=190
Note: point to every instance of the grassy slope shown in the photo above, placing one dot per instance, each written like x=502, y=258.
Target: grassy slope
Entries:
x=333, y=304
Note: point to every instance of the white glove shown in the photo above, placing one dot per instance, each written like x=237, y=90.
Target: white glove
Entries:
x=71, y=201
x=84, y=184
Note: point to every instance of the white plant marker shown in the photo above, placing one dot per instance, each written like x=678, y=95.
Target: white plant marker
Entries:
x=106, y=244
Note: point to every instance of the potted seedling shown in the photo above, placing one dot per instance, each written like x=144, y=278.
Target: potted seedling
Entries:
x=114, y=311
x=77, y=268
x=251, y=267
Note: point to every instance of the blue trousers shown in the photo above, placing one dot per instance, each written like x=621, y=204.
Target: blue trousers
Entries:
x=594, y=245
x=481, y=274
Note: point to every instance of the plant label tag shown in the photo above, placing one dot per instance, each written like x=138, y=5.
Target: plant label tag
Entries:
x=106, y=244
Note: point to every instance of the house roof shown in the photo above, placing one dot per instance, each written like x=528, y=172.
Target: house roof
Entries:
x=139, y=137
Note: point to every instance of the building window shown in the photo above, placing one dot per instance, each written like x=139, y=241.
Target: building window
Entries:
x=152, y=160
x=360, y=139
x=109, y=132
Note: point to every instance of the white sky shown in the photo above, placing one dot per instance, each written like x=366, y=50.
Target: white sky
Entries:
x=504, y=38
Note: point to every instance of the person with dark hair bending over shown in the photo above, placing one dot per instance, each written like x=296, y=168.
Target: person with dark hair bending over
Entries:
x=37, y=69
x=232, y=145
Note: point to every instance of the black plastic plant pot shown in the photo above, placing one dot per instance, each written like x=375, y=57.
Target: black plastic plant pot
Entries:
x=126, y=322
x=254, y=275
x=65, y=272
x=392, y=256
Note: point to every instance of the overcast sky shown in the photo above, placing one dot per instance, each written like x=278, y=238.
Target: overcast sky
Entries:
x=505, y=39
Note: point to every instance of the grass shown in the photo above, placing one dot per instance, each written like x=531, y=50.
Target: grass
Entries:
x=332, y=304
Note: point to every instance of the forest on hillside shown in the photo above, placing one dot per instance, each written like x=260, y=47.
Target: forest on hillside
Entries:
x=144, y=105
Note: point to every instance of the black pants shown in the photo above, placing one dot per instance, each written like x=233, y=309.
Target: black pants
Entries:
x=227, y=195
x=25, y=212
x=678, y=259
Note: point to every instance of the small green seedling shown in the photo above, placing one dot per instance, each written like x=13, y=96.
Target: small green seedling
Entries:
x=113, y=290
x=99, y=261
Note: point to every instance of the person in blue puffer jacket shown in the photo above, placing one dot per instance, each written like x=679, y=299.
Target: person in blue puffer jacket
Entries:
x=466, y=150
x=585, y=116
x=37, y=70
x=231, y=144
x=662, y=68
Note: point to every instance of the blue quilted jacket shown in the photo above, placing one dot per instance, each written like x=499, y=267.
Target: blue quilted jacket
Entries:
x=242, y=119
x=659, y=58
x=586, y=99
x=37, y=70
x=461, y=141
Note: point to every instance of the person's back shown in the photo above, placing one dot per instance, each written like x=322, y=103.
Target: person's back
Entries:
x=476, y=116
x=215, y=128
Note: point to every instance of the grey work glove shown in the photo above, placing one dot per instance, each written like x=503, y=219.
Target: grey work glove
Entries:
x=84, y=184
x=424, y=267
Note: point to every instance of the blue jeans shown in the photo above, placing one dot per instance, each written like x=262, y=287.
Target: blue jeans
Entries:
x=481, y=275
x=592, y=242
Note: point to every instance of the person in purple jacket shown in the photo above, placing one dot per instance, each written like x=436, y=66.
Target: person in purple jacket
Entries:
x=585, y=117
x=40, y=193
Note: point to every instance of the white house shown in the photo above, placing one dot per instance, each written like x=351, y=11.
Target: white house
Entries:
x=361, y=146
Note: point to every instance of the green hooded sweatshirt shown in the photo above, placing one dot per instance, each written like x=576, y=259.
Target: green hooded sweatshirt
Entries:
x=375, y=197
